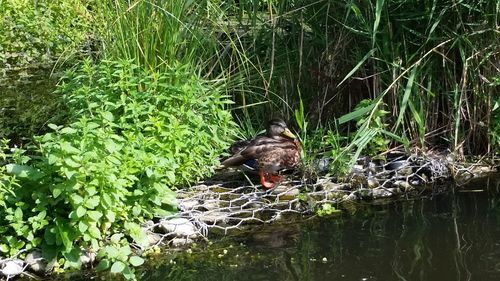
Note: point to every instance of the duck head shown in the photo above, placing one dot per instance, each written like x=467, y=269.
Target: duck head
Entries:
x=278, y=128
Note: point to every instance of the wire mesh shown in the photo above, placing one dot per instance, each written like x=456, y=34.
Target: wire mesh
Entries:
x=229, y=201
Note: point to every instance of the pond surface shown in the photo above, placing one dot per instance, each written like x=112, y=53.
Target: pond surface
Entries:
x=451, y=236
x=28, y=103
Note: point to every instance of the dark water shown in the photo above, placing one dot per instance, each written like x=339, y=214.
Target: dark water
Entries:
x=28, y=103
x=452, y=236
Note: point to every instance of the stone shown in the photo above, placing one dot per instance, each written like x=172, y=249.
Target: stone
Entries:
x=87, y=257
x=147, y=225
x=290, y=194
x=357, y=169
x=214, y=217
x=350, y=197
x=372, y=182
x=36, y=262
x=153, y=238
x=210, y=205
x=179, y=227
x=12, y=268
x=403, y=185
x=382, y=193
x=330, y=186
x=323, y=165
x=179, y=242
x=186, y=205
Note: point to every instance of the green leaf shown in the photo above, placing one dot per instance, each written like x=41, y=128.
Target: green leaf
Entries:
x=136, y=210
x=378, y=12
x=110, y=215
x=128, y=274
x=124, y=252
x=92, y=202
x=356, y=114
x=71, y=163
x=52, y=159
x=115, y=238
x=94, y=231
x=111, y=252
x=63, y=233
x=108, y=116
x=57, y=190
x=406, y=96
x=77, y=199
x=67, y=130
x=80, y=211
x=111, y=146
x=136, y=260
x=94, y=215
x=4, y=248
x=50, y=237
x=171, y=176
x=73, y=259
x=92, y=125
x=54, y=127
x=107, y=199
x=68, y=148
x=103, y=265
x=24, y=171
x=117, y=267
x=360, y=63
x=18, y=214
x=82, y=227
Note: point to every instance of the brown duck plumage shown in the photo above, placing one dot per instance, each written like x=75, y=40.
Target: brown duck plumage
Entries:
x=277, y=151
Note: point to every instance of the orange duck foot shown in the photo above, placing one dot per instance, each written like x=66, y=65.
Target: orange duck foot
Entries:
x=274, y=179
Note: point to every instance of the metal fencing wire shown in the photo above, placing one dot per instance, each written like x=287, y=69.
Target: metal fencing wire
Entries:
x=223, y=204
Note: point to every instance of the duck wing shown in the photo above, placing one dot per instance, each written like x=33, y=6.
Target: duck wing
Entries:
x=255, y=149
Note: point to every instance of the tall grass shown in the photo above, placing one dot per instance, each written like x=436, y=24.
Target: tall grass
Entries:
x=431, y=64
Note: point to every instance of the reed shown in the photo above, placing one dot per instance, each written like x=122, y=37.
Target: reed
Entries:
x=431, y=64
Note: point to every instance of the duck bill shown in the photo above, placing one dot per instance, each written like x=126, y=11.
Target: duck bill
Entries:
x=288, y=133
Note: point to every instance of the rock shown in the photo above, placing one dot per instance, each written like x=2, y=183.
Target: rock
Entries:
x=210, y=205
x=415, y=182
x=179, y=227
x=290, y=194
x=87, y=257
x=36, y=262
x=148, y=225
x=357, y=169
x=188, y=204
x=285, y=192
x=403, y=185
x=323, y=165
x=382, y=193
x=153, y=238
x=396, y=165
x=179, y=242
x=330, y=186
x=12, y=268
x=350, y=197
x=372, y=182
x=405, y=171
x=214, y=217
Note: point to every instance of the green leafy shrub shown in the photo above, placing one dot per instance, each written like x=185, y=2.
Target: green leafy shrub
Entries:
x=133, y=136
x=173, y=115
x=37, y=31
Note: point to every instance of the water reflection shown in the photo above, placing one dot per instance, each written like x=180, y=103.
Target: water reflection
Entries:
x=453, y=236
x=28, y=103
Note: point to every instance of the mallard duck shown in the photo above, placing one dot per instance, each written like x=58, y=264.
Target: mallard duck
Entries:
x=279, y=150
